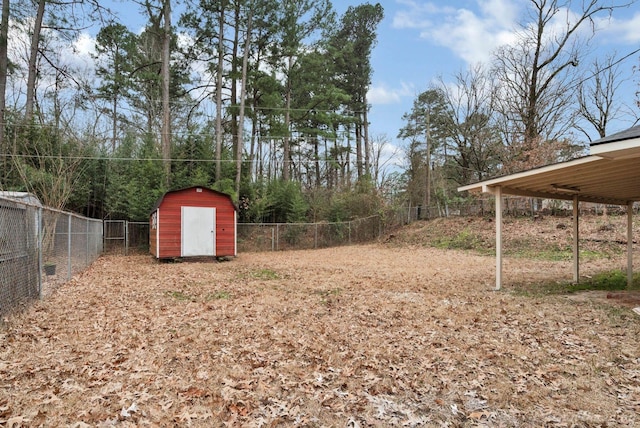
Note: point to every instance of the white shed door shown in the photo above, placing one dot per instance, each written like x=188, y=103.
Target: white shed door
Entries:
x=198, y=231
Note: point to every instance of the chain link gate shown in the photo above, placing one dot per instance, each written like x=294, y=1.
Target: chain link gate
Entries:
x=125, y=236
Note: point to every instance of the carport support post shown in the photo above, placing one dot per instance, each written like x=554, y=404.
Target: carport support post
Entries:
x=629, y=244
x=498, y=196
x=576, y=237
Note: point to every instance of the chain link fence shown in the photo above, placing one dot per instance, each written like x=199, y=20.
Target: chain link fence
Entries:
x=124, y=237
x=302, y=236
x=514, y=206
x=41, y=248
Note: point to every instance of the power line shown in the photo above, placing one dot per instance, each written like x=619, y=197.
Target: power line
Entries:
x=107, y=158
x=260, y=138
x=613, y=64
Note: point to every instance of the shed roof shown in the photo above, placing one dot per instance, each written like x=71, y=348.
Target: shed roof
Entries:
x=25, y=197
x=610, y=174
x=157, y=204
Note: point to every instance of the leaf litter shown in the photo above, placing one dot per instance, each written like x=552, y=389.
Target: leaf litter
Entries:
x=360, y=336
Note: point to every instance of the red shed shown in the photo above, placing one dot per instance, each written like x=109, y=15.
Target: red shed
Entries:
x=195, y=221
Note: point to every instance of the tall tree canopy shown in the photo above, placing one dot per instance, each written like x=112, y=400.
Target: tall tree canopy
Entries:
x=234, y=95
x=352, y=44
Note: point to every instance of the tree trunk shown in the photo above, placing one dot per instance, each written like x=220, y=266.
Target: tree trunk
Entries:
x=427, y=191
x=4, y=62
x=252, y=149
x=286, y=161
x=219, y=72
x=243, y=93
x=114, y=119
x=316, y=153
x=346, y=168
x=33, y=61
x=233, y=96
x=365, y=128
x=358, y=127
x=166, y=110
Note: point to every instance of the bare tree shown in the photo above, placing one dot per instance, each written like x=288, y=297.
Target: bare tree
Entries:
x=379, y=163
x=36, y=35
x=598, y=103
x=472, y=138
x=537, y=71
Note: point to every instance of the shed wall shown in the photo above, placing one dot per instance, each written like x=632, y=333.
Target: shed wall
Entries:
x=170, y=222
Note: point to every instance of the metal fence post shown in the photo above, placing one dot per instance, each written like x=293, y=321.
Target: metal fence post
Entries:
x=69, y=247
x=39, y=247
x=86, y=254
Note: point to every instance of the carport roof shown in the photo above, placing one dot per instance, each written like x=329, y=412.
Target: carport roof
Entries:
x=610, y=174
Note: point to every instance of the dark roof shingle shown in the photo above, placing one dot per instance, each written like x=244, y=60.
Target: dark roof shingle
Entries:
x=627, y=134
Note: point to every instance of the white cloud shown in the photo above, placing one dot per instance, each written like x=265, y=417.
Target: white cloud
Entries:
x=85, y=45
x=382, y=94
x=503, y=13
x=471, y=34
x=626, y=31
x=417, y=15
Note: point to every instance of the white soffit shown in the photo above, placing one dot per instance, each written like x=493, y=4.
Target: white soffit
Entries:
x=591, y=179
x=610, y=174
x=617, y=149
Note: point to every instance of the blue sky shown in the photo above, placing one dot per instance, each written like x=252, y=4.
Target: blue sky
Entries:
x=418, y=41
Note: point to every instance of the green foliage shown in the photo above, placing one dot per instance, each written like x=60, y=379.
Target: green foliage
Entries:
x=136, y=185
x=327, y=297
x=464, y=240
x=615, y=280
x=189, y=169
x=181, y=296
x=226, y=185
x=608, y=281
x=362, y=202
x=281, y=202
x=219, y=295
x=320, y=68
x=554, y=253
x=264, y=274
x=429, y=114
x=89, y=193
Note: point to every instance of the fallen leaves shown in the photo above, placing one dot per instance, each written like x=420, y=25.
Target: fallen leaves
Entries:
x=356, y=336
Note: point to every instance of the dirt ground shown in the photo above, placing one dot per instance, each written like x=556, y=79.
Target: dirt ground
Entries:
x=375, y=335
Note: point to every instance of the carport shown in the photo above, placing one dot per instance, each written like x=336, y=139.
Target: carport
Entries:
x=609, y=175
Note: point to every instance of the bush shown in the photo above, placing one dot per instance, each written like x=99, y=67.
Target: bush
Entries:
x=279, y=202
